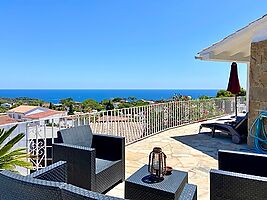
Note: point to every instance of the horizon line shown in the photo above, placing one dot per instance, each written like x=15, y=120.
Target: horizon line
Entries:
x=110, y=88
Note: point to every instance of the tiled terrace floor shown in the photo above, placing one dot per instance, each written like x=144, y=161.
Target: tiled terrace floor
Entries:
x=185, y=149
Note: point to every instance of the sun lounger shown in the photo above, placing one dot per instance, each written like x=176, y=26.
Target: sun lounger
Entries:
x=237, y=129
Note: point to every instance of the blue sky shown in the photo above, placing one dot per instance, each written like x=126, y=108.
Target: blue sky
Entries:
x=117, y=43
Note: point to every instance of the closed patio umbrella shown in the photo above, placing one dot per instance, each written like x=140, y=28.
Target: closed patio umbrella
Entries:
x=233, y=84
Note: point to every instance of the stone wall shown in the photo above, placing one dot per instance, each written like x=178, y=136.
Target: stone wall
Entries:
x=257, y=81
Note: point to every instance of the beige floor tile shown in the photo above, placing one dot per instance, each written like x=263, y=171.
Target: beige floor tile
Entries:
x=185, y=149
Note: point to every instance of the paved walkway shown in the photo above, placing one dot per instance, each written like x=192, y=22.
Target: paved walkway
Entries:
x=185, y=149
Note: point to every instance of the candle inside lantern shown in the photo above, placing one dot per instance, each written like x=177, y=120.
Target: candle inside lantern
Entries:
x=156, y=164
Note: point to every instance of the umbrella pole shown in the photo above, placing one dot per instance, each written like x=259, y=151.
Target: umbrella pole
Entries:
x=235, y=106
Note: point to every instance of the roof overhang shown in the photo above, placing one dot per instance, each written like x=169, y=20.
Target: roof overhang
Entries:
x=236, y=47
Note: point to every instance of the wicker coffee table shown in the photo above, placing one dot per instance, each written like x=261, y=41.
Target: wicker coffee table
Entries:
x=168, y=189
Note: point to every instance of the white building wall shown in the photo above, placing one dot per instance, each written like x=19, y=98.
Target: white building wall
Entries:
x=17, y=116
x=52, y=118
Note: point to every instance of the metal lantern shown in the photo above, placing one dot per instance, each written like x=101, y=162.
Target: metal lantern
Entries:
x=157, y=163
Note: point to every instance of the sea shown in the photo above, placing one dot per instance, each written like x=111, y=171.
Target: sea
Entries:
x=54, y=95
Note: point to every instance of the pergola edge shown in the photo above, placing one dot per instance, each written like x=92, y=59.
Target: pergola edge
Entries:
x=236, y=46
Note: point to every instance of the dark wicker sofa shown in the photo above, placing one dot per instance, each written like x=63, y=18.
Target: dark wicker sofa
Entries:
x=95, y=162
x=241, y=176
x=50, y=183
x=46, y=184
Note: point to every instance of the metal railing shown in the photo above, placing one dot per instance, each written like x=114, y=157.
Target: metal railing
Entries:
x=133, y=123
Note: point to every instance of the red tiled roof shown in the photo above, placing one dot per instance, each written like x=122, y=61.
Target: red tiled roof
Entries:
x=4, y=119
x=43, y=114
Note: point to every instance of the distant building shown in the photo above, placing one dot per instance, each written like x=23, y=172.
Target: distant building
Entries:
x=148, y=101
x=20, y=111
x=27, y=113
x=116, y=104
x=46, y=105
x=6, y=105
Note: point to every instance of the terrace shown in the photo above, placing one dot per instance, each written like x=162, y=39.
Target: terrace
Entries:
x=172, y=126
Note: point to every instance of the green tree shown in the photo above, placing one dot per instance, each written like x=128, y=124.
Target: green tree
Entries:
x=77, y=109
x=92, y=104
x=118, y=99
x=177, y=97
x=71, y=112
x=132, y=98
x=242, y=92
x=9, y=157
x=50, y=105
x=67, y=101
x=224, y=93
x=3, y=100
x=125, y=105
x=204, y=97
x=19, y=103
x=140, y=103
x=109, y=106
x=3, y=109
x=105, y=102
x=22, y=100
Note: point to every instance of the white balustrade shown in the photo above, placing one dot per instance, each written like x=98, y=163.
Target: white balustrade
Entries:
x=133, y=123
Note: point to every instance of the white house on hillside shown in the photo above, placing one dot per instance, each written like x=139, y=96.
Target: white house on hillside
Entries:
x=6, y=105
x=28, y=113
x=21, y=111
x=49, y=116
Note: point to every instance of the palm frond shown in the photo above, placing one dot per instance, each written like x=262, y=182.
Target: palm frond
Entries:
x=10, y=144
x=19, y=151
x=20, y=163
x=6, y=134
x=6, y=159
x=2, y=132
x=10, y=167
x=9, y=158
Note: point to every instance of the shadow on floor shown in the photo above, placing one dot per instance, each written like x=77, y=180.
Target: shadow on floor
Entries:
x=208, y=145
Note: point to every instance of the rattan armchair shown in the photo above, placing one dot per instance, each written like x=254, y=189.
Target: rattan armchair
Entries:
x=98, y=165
x=240, y=176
